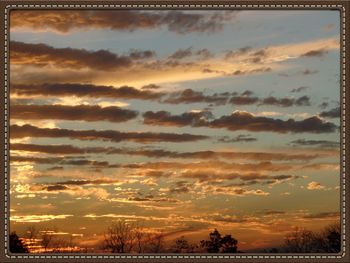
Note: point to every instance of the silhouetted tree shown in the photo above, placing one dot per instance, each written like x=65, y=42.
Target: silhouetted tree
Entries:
x=181, y=245
x=155, y=243
x=216, y=244
x=332, y=236
x=16, y=244
x=46, y=238
x=31, y=235
x=300, y=240
x=120, y=237
x=229, y=244
x=306, y=241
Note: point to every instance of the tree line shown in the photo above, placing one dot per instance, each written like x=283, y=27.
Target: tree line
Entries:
x=125, y=237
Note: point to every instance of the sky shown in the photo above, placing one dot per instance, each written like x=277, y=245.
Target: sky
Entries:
x=183, y=121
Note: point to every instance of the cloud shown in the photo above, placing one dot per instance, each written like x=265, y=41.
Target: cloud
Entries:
x=308, y=72
x=56, y=149
x=185, y=119
x=317, y=143
x=237, y=191
x=159, y=153
x=243, y=100
x=79, y=113
x=54, y=189
x=191, y=96
x=315, y=186
x=61, y=161
x=238, y=138
x=315, y=53
x=240, y=72
x=44, y=55
x=36, y=218
x=286, y=102
x=150, y=87
x=182, y=53
x=323, y=215
x=300, y=89
x=211, y=165
x=141, y=54
x=104, y=135
x=273, y=212
x=83, y=90
x=241, y=51
x=246, y=98
x=204, y=53
x=333, y=113
x=87, y=182
x=240, y=120
x=248, y=178
x=272, y=54
x=141, y=73
x=127, y=20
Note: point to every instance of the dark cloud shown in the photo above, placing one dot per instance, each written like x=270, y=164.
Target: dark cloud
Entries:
x=308, y=72
x=317, y=143
x=151, y=86
x=300, y=89
x=233, y=54
x=246, y=72
x=185, y=119
x=63, y=112
x=182, y=53
x=322, y=215
x=248, y=179
x=243, y=100
x=104, y=135
x=191, y=96
x=84, y=90
x=51, y=149
x=323, y=105
x=302, y=72
x=89, y=182
x=238, y=138
x=204, y=53
x=55, y=188
x=302, y=101
x=181, y=187
x=127, y=20
x=246, y=98
x=240, y=120
x=62, y=161
x=315, y=53
x=286, y=102
x=159, y=153
x=43, y=55
x=273, y=212
x=141, y=54
x=258, y=56
x=333, y=113
x=55, y=168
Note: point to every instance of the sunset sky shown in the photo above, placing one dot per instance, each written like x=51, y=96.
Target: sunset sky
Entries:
x=183, y=121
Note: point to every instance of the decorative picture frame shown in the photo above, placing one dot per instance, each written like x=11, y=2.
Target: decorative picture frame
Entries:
x=11, y=5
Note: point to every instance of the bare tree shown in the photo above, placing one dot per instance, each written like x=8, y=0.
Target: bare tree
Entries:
x=181, y=245
x=120, y=237
x=326, y=241
x=31, y=235
x=155, y=242
x=46, y=238
x=140, y=236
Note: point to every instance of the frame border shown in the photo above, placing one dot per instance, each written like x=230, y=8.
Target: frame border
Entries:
x=333, y=5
